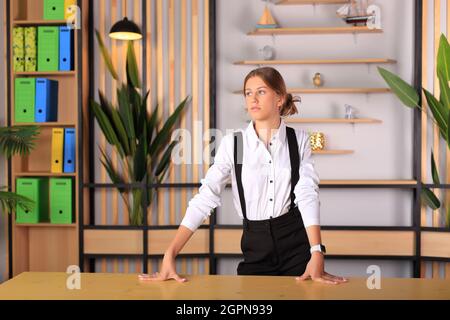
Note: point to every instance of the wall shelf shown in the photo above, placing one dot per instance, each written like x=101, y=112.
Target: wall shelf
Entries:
x=332, y=90
x=333, y=152
x=331, y=120
x=310, y=2
x=43, y=174
x=39, y=22
x=46, y=124
x=316, y=61
x=45, y=225
x=312, y=30
x=43, y=73
x=371, y=182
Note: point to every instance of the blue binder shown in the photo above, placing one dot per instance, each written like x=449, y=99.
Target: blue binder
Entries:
x=69, y=150
x=65, y=48
x=46, y=107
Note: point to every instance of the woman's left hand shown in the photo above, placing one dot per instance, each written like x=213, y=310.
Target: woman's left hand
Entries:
x=315, y=271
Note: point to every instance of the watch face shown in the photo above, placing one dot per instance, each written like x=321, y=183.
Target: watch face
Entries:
x=322, y=247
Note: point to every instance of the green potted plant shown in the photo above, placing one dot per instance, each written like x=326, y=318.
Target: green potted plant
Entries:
x=439, y=106
x=144, y=151
x=16, y=140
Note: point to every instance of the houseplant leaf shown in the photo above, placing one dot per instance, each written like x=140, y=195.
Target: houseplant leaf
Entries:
x=165, y=159
x=106, y=56
x=430, y=199
x=434, y=172
x=132, y=68
x=18, y=139
x=406, y=93
x=439, y=113
x=162, y=138
x=443, y=59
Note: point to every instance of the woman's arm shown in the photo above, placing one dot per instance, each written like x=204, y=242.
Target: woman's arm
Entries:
x=307, y=198
x=200, y=207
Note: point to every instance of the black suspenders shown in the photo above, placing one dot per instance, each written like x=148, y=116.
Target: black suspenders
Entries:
x=293, y=156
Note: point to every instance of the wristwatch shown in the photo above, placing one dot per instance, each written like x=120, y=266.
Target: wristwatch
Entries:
x=319, y=248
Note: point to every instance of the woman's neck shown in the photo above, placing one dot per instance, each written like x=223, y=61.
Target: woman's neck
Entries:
x=264, y=128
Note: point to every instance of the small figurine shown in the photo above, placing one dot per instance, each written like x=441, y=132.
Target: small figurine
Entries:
x=317, y=141
x=267, y=53
x=349, y=114
x=266, y=20
x=317, y=80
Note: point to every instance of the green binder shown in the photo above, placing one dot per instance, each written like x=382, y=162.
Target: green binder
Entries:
x=30, y=48
x=18, y=49
x=37, y=190
x=61, y=200
x=48, y=48
x=53, y=9
x=24, y=99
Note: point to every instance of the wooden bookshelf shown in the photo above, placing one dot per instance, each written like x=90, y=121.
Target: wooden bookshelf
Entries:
x=331, y=120
x=316, y=61
x=47, y=246
x=332, y=90
x=310, y=2
x=311, y=30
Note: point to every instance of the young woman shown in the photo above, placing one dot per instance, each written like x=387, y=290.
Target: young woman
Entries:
x=275, y=190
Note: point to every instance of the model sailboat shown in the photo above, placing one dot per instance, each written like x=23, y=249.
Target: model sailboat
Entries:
x=267, y=20
x=354, y=12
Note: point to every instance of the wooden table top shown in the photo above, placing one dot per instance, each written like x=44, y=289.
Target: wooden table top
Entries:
x=36, y=285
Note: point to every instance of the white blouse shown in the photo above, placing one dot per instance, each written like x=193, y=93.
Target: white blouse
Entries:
x=266, y=179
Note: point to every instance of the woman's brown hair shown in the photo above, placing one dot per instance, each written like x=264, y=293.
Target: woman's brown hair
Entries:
x=275, y=81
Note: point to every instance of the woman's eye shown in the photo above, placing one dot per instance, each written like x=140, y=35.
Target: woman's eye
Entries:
x=261, y=92
x=248, y=94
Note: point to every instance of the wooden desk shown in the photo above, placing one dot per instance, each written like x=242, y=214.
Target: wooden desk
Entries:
x=32, y=285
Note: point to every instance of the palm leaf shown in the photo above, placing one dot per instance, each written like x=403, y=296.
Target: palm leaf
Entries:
x=126, y=113
x=165, y=159
x=406, y=93
x=106, y=126
x=132, y=68
x=112, y=171
x=9, y=201
x=106, y=56
x=140, y=160
x=18, y=139
x=162, y=138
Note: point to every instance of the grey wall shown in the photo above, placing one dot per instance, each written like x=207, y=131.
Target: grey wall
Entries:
x=381, y=151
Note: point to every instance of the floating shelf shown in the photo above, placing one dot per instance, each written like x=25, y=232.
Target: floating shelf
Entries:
x=46, y=124
x=46, y=73
x=43, y=174
x=372, y=182
x=303, y=2
x=312, y=30
x=333, y=151
x=316, y=61
x=39, y=22
x=46, y=225
x=333, y=90
x=331, y=120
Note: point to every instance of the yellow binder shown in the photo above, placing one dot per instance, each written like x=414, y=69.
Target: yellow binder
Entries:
x=57, y=150
x=69, y=8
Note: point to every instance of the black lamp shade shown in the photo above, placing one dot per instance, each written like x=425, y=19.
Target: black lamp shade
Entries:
x=125, y=30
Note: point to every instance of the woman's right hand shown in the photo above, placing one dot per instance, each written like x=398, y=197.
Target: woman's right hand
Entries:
x=168, y=271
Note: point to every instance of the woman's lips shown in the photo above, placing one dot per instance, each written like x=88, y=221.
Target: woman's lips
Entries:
x=255, y=108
